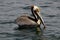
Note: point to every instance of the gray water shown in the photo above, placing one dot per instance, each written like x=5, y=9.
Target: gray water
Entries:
x=11, y=9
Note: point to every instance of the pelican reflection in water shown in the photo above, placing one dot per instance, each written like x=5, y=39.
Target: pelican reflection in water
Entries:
x=26, y=21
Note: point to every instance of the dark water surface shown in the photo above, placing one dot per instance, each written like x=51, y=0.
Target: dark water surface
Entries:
x=11, y=9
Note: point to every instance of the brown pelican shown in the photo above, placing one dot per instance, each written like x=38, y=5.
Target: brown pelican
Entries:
x=26, y=21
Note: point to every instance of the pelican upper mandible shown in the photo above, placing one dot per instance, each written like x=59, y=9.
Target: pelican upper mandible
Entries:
x=26, y=21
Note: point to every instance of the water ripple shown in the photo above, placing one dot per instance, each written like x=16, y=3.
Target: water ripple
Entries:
x=44, y=6
x=51, y=16
x=58, y=8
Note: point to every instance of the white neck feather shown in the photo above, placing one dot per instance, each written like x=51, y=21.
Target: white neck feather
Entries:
x=38, y=22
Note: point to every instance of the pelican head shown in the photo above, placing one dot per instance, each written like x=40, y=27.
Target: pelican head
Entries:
x=36, y=13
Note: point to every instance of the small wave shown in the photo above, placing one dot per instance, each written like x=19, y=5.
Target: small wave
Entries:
x=48, y=3
x=44, y=6
x=51, y=16
x=7, y=22
x=27, y=7
x=9, y=34
x=58, y=8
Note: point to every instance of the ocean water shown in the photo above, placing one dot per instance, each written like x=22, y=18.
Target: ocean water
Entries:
x=11, y=9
